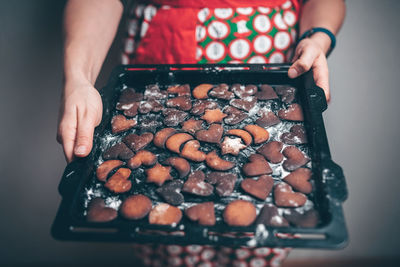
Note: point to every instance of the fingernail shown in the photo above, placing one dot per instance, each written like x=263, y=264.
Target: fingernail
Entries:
x=80, y=150
x=292, y=73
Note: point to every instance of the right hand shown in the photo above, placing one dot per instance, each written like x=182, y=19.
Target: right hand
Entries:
x=80, y=112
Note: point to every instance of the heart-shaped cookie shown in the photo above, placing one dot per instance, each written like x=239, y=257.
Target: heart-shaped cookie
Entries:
x=98, y=212
x=286, y=197
x=294, y=158
x=299, y=180
x=171, y=192
x=212, y=135
x=128, y=96
x=246, y=103
x=287, y=93
x=150, y=105
x=216, y=163
x=267, y=119
x=158, y=174
x=266, y=92
x=118, y=182
x=221, y=91
x=272, y=151
x=203, y=213
x=224, y=182
x=235, y=115
x=173, y=117
x=106, y=167
x=143, y=157
x=308, y=219
x=270, y=216
x=153, y=92
x=259, y=188
x=192, y=126
x=199, y=106
x=135, y=207
x=191, y=151
x=256, y=166
x=120, y=123
x=196, y=185
x=118, y=151
x=180, y=164
x=293, y=113
x=244, y=91
x=131, y=110
x=180, y=102
x=296, y=136
x=137, y=142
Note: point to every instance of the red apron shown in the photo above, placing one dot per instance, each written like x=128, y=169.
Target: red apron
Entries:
x=170, y=39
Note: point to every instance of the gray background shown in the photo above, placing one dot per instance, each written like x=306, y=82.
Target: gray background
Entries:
x=361, y=124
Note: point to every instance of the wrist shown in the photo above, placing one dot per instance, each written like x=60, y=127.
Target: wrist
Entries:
x=322, y=40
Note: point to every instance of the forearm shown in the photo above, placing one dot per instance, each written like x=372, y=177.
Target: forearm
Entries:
x=89, y=28
x=328, y=14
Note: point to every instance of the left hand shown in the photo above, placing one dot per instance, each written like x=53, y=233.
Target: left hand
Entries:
x=310, y=54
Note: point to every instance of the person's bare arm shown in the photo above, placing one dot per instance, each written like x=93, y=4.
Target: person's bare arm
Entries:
x=311, y=52
x=89, y=28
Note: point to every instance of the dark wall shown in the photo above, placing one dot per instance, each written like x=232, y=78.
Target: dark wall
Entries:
x=362, y=123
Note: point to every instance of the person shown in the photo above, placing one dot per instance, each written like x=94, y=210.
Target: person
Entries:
x=190, y=31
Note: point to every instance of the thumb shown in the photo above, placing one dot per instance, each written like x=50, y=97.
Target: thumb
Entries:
x=84, y=136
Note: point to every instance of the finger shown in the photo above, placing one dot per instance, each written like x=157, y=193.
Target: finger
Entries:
x=84, y=135
x=66, y=134
x=321, y=75
x=303, y=63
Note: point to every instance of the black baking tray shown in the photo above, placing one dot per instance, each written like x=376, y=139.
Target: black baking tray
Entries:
x=329, y=183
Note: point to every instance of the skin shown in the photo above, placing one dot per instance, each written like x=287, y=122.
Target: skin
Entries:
x=90, y=27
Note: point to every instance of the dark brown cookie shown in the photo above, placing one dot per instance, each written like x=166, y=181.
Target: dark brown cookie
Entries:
x=118, y=151
x=221, y=91
x=240, y=213
x=131, y=110
x=180, y=102
x=242, y=91
x=299, y=180
x=154, y=92
x=180, y=164
x=267, y=119
x=260, y=135
x=191, y=151
x=119, y=123
x=158, y=174
x=216, y=163
x=196, y=185
x=174, y=142
x=98, y=212
x=224, y=182
x=118, y=182
x=246, y=137
x=308, y=219
x=285, y=197
x=173, y=117
x=135, y=207
x=106, y=167
x=246, y=103
x=150, y=105
x=295, y=158
x=212, y=135
x=232, y=146
x=235, y=115
x=171, y=192
x=201, y=91
x=293, y=113
x=199, y=106
x=270, y=216
x=180, y=90
x=296, y=136
x=165, y=214
x=202, y=213
x=137, y=142
x=213, y=115
x=143, y=157
x=272, y=151
x=192, y=125
x=259, y=188
x=287, y=93
x=128, y=96
x=256, y=166
x=266, y=92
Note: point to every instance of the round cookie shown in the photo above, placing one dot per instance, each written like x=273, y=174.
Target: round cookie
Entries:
x=240, y=213
x=135, y=207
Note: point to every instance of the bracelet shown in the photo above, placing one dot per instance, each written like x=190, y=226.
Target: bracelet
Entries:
x=310, y=32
